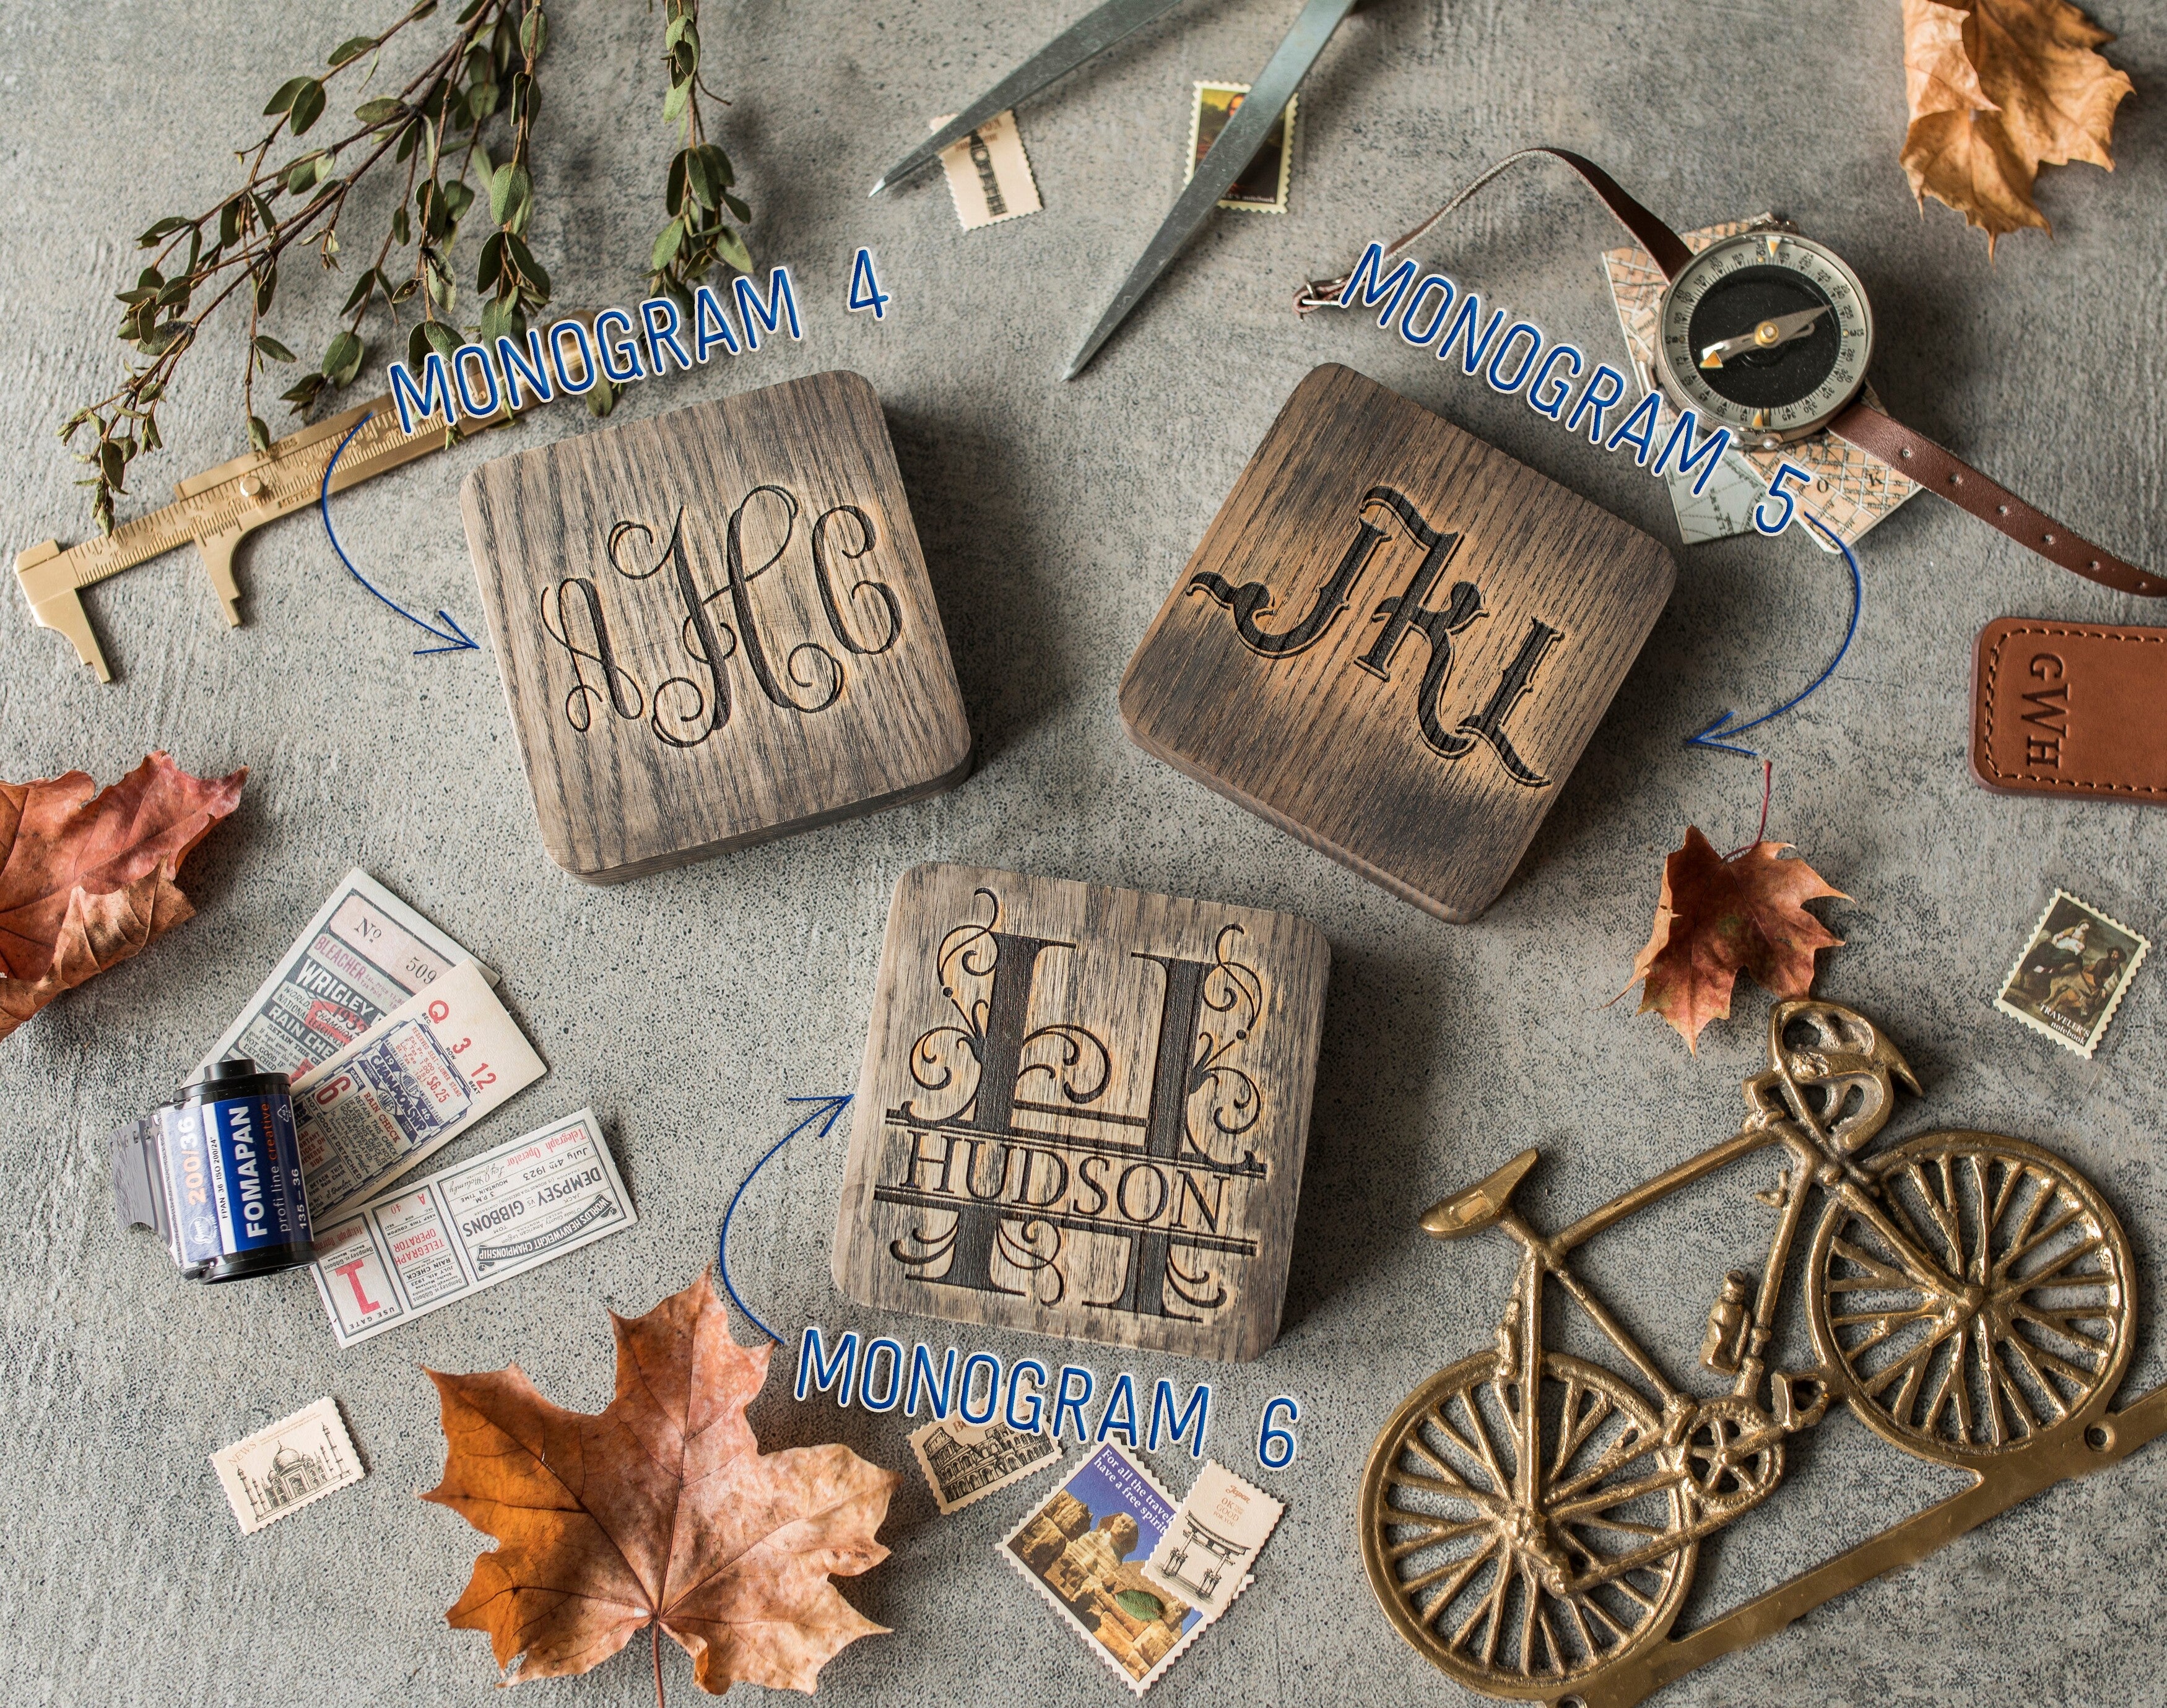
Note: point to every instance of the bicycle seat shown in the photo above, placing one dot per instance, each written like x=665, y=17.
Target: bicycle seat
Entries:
x=1480, y=1205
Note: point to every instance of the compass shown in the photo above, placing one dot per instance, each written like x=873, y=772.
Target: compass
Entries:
x=1766, y=333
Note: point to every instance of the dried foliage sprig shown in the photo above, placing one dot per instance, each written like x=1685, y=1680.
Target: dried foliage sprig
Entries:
x=462, y=129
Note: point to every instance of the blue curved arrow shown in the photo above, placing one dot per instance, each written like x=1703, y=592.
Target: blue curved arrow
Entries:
x=458, y=641
x=1721, y=725
x=830, y=1107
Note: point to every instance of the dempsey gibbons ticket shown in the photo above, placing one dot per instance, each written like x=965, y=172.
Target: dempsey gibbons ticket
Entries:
x=422, y=1076
x=470, y=1226
x=364, y=953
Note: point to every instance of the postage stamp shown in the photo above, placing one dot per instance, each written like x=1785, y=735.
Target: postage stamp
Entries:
x=1082, y=1550
x=1262, y=188
x=1205, y=1556
x=2069, y=979
x=296, y=1460
x=989, y=175
x=964, y=1462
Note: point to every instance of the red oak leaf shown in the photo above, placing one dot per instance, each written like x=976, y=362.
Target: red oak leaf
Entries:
x=86, y=882
x=660, y=1513
x=1717, y=918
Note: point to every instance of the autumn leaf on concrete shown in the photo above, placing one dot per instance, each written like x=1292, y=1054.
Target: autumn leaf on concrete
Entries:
x=1997, y=89
x=1717, y=918
x=661, y=1513
x=85, y=882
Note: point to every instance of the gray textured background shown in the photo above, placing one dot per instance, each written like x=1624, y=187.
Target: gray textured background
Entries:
x=1054, y=517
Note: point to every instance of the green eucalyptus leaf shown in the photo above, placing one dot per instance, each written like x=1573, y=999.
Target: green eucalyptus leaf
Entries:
x=733, y=250
x=267, y=285
x=402, y=228
x=441, y=338
x=667, y=243
x=490, y=267
x=700, y=178
x=496, y=315
x=259, y=435
x=229, y=223
x=417, y=345
x=742, y=210
x=380, y=111
x=283, y=102
x=509, y=191
x=467, y=15
x=458, y=198
x=343, y=358
x=673, y=199
x=112, y=466
x=352, y=49
x=420, y=12
x=308, y=107
x=305, y=393
x=602, y=399
x=272, y=348
x=534, y=32
x=674, y=102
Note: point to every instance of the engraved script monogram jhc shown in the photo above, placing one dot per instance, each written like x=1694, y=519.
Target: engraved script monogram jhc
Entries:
x=1012, y=1193
x=1400, y=613
x=683, y=711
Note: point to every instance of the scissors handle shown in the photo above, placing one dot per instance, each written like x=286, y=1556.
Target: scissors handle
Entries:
x=1093, y=34
x=1229, y=158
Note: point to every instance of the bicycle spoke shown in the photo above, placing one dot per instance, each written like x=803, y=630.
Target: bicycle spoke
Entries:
x=2018, y=1253
x=1459, y=1571
x=2058, y=1323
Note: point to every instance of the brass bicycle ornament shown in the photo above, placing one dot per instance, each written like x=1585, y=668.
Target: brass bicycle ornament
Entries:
x=1530, y=1520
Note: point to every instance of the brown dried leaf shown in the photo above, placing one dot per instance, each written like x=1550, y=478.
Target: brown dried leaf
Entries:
x=1997, y=89
x=86, y=882
x=660, y=1513
x=1717, y=918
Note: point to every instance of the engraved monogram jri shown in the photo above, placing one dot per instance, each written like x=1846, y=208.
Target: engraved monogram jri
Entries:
x=1402, y=613
x=683, y=711
x=1016, y=1174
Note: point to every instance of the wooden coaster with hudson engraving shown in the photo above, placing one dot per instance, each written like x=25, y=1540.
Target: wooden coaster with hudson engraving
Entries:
x=715, y=627
x=1394, y=642
x=1082, y=1112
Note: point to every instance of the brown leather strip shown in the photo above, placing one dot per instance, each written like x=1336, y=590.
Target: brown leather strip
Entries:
x=1664, y=245
x=1918, y=458
x=2070, y=709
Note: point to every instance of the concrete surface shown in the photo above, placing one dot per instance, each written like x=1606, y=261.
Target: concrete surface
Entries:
x=1054, y=517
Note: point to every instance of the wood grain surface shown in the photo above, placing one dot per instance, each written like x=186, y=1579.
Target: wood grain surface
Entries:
x=1393, y=642
x=1082, y=1112
x=714, y=627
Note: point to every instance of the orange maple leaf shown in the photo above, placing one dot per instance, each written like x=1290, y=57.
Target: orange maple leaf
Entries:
x=1717, y=918
x=659, y=1512
x=86, y=882
x=1998, y=89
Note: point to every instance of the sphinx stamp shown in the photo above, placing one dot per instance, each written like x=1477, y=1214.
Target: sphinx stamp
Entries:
x=1082, y=1112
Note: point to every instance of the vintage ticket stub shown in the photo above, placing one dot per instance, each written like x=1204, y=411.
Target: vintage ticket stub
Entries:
x=470, y=1226
x=1206, y=1551
x=364, y=953
x=1083, y=1549
x=296, y=1460
x=410, y=1085
x=964, y=1463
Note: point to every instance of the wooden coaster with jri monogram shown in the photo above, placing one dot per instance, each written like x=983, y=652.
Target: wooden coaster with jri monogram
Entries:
x=1394, y=642
x=1082, y=1112
x=715, y=627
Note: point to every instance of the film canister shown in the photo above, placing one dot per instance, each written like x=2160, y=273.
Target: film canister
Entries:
x=216, y=1173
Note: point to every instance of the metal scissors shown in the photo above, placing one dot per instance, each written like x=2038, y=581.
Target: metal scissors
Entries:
x=1229, y=157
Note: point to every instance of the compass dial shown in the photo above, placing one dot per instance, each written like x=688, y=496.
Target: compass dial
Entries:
x=1766, y=333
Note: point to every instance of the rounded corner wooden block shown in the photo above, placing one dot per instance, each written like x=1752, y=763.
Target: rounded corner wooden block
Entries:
x=1394, y=642
x=1082, y=1112
x=714, y=627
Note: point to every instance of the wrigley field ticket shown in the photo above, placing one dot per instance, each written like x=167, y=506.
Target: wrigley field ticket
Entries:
x=410, y=1085
x=468, y=1227
x=364, y=953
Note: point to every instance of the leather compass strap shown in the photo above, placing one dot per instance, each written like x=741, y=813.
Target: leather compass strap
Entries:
x=1664, y=245
x=1917, y=458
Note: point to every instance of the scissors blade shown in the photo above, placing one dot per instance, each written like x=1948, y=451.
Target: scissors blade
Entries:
x=1093, y=34
x=1229, y=158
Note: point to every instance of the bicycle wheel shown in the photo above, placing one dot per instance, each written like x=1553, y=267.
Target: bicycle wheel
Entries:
x=1512, y=1602
x=2007, y=1322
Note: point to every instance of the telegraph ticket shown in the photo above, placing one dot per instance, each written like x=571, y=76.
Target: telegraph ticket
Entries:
x=410, y=1085
x=364, y=953
x=470, y=1226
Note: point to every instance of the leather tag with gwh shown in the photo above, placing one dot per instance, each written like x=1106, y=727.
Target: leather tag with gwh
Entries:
x=1393, y=642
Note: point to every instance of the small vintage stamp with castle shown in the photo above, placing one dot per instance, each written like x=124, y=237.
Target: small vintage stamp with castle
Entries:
x=965, y=1462
x=1083, y=1551
x=296, y=1460
x=1205, y=1556
x=2069, y=979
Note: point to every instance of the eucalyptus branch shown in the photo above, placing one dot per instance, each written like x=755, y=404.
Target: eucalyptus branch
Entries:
x=481, y=83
